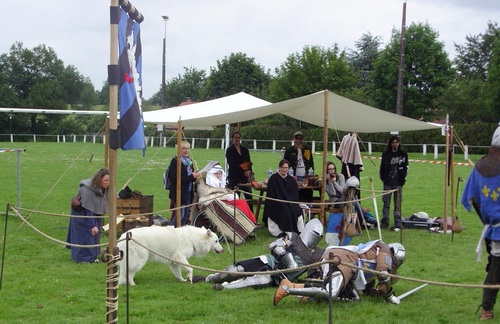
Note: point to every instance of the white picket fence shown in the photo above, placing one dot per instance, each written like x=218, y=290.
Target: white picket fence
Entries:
x=207, y=143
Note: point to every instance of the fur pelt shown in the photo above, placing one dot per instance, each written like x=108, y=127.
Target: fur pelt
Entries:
x=206, y=193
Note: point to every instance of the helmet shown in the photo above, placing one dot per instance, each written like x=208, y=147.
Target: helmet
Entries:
x=398, y=254
x=495, y=141
x=312, y=233
x=352, y=182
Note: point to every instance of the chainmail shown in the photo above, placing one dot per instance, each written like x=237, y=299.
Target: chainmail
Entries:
x=303, y=252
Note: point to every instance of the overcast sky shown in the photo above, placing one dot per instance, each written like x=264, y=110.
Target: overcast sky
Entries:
x=200, y=32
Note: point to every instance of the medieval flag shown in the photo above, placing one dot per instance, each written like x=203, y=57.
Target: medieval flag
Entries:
x=131, y=126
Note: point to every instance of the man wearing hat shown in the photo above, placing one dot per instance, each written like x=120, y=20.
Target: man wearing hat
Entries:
x=300, y=160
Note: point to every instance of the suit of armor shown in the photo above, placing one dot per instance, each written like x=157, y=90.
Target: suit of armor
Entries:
x=344, y=280
x=289, y=251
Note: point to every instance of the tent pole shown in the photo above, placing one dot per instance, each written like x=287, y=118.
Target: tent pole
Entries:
x=325, y=155
x=452, y=178
x=111, y=285
x=446, y=176
x=178, y=211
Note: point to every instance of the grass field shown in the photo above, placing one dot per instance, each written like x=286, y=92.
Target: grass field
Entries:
x=42, y=285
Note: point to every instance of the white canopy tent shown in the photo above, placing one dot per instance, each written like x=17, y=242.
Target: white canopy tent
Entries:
x=226, y=110
x=323, y=108
x=342, y=113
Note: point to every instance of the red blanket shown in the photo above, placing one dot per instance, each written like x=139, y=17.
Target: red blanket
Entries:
x=243, y=206
x=232, y=222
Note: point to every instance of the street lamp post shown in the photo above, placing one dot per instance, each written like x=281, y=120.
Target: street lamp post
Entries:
x=165, y=19
x=163, y=75
x=10, y=124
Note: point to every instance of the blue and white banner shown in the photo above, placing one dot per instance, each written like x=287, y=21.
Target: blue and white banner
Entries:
x=130, y=89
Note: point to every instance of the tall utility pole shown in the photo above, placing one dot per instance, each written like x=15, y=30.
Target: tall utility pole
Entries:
x=399, y=100
x=165, y=19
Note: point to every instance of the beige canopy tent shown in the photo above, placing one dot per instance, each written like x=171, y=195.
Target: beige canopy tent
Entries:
x=343, y=114
x=323, y=108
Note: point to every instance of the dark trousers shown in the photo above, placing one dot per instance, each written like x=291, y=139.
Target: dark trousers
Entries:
x=492, y=278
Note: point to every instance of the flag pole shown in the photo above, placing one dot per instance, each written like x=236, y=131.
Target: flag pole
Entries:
x=111, y=285
x=114, y=143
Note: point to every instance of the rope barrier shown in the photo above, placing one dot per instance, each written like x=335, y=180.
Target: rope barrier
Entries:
x=115, y=259
x=422, y=161
x=329, y=203
x=314, y=265
x=51, y=238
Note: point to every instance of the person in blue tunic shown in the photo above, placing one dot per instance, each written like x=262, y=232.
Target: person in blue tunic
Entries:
x=93, y=196
x=482, y=191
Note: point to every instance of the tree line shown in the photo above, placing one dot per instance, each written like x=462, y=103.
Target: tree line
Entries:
x=467, y=87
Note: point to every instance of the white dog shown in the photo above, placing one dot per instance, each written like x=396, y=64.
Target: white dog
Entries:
x=178, y=244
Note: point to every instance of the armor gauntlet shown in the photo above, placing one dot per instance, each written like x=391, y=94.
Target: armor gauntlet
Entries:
x=383, y=278
x=391, y=298
x=280, y=250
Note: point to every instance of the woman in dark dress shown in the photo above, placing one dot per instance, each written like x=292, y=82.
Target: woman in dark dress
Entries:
x=281, y=216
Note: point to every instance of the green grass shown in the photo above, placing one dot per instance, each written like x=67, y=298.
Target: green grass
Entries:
x=42, y=285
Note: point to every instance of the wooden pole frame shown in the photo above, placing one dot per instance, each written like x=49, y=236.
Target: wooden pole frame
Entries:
x=322, y=215
x=112, y=253
x=178, y=211
x=447, y=173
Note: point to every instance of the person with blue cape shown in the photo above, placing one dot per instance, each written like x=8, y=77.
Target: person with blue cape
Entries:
x=482, y=191
x=85, y=229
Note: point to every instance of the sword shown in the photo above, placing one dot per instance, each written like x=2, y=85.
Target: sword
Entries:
x=409, y=292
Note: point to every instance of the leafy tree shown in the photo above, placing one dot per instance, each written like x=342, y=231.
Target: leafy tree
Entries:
x=79, y=90
x=103, y=95
x=313, y=70
x=463, y=101
x=366, y=52
x=189, y=85
x=39, y=79
x=427, y=72
x=474, y=94
x=234, y=74
x=493, y=83
x=8, y=97
x=473, y=58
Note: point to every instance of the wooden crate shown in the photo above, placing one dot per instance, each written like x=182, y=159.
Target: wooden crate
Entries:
x=133, y=221
x=134, y=206
x=131, y=207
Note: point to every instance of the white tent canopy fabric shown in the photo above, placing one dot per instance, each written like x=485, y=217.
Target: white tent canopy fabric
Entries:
x=226, y=110
x=347, y=115
x=343, y=114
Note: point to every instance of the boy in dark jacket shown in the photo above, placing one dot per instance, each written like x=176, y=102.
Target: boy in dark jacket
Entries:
x=393, y=170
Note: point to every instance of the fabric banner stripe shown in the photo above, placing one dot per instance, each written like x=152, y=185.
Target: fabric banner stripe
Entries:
x=131, y=126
